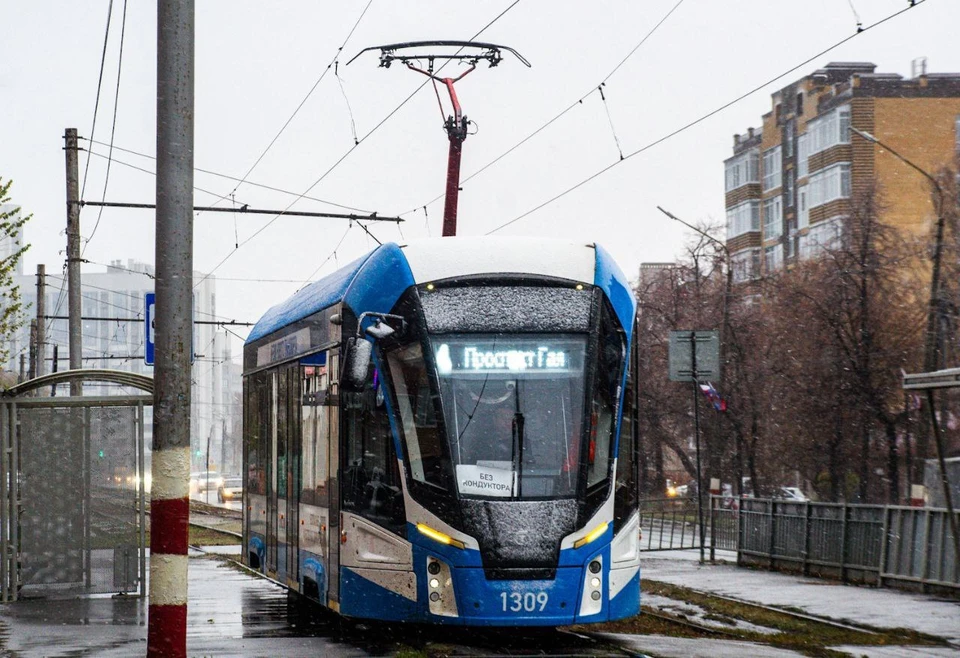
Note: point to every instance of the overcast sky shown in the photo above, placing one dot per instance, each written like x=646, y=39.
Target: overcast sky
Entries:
x=254, y=66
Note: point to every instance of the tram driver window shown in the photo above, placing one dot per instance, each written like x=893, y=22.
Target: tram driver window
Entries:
x=416, y=405
x=371, y=480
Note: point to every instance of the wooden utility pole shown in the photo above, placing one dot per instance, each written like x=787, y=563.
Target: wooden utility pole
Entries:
x=170, y=494
x=73, y=256
x=41, y=312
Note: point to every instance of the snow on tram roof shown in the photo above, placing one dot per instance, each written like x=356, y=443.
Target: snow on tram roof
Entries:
x=380, y=276
x=443, y=258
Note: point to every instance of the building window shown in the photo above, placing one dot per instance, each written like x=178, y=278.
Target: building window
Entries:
x=822, y=236
x=772, y=164
x=772, y=218
x=803, y=210
x=742, y=169
x=829, y=184
x=802, y=155
x=788, y=139
x=829, y=129
x=788, y=190
x=800, y=104
x=773, y=258
x=746, y=265
x=743, y=218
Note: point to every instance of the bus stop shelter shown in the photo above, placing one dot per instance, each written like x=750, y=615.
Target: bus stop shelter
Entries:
x=73, y=486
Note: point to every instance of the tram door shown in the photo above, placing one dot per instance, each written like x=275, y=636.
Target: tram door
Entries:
x=333, y=528
x=283, y=478
x=294, y=443
x=271, y=488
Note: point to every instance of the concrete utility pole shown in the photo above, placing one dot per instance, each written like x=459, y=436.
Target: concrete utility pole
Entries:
x=33, y=350
x=41, y=312
x=73, y=255
x=170, y=495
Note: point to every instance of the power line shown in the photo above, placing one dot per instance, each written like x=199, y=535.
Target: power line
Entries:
x=224, y=176
x=246, y=210
x=141, y=169
x=350, y=150
x=305, y=98
x=563, y=112
x=113, y=127
x=96, y=104
x=704, y=117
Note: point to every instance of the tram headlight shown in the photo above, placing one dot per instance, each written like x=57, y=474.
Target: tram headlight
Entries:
x=591, y=602
x=442, y=600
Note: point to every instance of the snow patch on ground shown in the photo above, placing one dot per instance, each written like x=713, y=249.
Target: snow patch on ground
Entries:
x=663, y=646
x=696, y=614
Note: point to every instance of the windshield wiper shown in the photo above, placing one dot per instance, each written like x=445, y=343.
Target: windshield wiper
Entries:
x=518, y=432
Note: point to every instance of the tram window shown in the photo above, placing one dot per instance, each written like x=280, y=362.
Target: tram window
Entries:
x=513, y=409
x=415, y=401
x=609, y=370
x=625, y=501
x=316, y=434
x=256, y=428
x=371, y=479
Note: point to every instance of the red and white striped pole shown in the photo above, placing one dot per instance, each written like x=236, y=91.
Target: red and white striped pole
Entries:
x=170, y=469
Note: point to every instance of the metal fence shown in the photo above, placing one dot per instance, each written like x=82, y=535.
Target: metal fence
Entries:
x=882, y=545
x=72, y=517
x=668, y=524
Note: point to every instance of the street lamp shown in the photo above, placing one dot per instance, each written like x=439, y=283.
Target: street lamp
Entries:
x=931, y=349
x=723, y=336
x=931, y=357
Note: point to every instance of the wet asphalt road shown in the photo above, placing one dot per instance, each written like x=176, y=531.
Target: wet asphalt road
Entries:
x=232, y=613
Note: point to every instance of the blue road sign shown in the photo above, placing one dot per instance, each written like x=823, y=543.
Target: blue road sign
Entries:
x=148, y=317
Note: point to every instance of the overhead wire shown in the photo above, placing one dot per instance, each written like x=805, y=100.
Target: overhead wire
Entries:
x=228, y=177
x=93, y=127
x=113, y=129
x=305, y=98
x=703, y=117
x=562, y=112
x=96, y=104
x=349, y=151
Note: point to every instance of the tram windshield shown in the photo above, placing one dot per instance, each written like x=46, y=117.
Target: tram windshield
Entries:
x=513, y=412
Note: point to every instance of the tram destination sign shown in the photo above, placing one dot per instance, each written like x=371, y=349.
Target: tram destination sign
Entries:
x=682, y=345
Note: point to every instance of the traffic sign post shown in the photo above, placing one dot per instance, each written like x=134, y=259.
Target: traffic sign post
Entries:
x=149, y=306
x=695, y=355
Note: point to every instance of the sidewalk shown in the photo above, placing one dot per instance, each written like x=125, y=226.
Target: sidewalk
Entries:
x=859, y=605
x=231, y=613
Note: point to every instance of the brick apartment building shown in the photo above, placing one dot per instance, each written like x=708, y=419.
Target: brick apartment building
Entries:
x=789, y=184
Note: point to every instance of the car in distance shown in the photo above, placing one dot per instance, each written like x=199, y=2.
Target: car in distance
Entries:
x=201, y=481
x=231, y=488
x=790, y=493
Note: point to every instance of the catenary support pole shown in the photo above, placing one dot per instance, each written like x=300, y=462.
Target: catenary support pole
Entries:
x=170, y=467
x=73, y=256
x=41, y=325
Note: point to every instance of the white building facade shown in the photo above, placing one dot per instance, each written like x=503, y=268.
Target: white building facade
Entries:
x=114, y=337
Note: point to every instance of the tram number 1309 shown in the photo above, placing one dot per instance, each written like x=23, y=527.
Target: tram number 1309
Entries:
x=525, y=602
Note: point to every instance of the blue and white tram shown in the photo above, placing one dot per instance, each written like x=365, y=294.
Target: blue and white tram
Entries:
x=443, y=432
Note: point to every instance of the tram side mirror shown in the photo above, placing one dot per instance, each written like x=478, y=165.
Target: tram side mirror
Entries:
x=357, y=361
x=380, y=330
